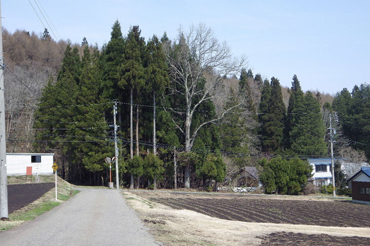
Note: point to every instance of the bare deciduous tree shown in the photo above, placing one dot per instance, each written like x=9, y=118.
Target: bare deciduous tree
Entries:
x=198, y=64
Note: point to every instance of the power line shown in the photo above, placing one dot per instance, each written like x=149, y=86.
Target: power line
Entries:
x=48, y=19
x=19, y=79
x=37, y=14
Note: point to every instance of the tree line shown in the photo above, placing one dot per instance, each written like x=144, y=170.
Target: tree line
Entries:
x=187, y=96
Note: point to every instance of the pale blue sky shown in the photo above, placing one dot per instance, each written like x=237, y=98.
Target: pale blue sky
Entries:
x=326, y=43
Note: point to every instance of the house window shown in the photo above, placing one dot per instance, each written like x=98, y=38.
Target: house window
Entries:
x=321, y=168
x=35, y=158
x=363, y=191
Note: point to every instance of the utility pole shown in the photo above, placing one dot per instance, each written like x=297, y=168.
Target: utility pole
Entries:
x=3, y=174
x=332, y=133
x=115, y=142
x=175, y=166
x=154, y=127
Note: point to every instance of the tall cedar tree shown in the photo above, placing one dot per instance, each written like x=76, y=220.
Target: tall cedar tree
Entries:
x=263, y=110
x=157, y=79
x=90, y=124
x=112, y=58
x=234, y=132
x=295, y=110
x=132, y=75
x=309, y=134
x=246, y=93
x=273, y=120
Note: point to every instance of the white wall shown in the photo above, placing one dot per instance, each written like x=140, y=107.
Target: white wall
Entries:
x=17, y=163
x=361, y=178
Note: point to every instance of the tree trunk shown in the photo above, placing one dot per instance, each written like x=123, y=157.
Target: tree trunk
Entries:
x=215, y=187
x=138, y=182
x=187, y=148
x=132, y=181
x=137, y=129
x=131, y=128
x=175, y=167
x=187, y=175
x=131, y=140
x=154, y=127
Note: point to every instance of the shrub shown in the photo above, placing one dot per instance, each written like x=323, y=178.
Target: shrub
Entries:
x=345, y=191
x=309, y=189
x=209, y=188
x=326, y=189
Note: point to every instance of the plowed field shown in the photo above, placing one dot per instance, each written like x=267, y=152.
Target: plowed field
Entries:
x=252, y=209
x=329, y=214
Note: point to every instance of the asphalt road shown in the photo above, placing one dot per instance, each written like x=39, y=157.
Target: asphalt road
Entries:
x=92, y=217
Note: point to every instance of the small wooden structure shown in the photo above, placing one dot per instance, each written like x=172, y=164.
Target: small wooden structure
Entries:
x=360, y=184
x=248, y=177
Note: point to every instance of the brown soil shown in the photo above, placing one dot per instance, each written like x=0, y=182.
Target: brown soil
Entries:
x=254, y=209
x=252, y=220
x=289, y=238
x=20, y=195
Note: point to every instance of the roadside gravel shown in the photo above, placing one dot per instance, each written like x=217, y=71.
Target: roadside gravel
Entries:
x=92, y=217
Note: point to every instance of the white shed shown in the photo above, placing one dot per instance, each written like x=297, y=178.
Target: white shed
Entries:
x=41, y=163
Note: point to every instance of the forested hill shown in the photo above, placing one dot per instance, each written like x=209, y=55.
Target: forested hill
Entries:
x=182, y=95
x=31, y=59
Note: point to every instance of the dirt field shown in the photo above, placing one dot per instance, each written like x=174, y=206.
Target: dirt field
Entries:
x=20, y=195
x=186, y=219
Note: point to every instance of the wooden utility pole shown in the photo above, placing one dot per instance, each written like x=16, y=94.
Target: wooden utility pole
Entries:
x=175, y=166
x=332, y=133
x=3, y=174
x=115, y=143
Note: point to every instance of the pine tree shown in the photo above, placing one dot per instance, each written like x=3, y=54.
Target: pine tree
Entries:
x=308, y=135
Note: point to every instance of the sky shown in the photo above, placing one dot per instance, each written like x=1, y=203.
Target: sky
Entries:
x=326, y=43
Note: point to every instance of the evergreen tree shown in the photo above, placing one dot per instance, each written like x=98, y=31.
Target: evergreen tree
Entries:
x=132, y=76
x=295, y=111
x=153, y=168
x=135, y=167
x=157, y=79
x=263, y=111
x=283, y=176
x=273, y=120
x=354, y=114
x=90, y=123
x=46, y=35
x=246, y=92
x=234, y=132
x=308, y=136
x=56, y=111
x=250, y=74
x=112, y=58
